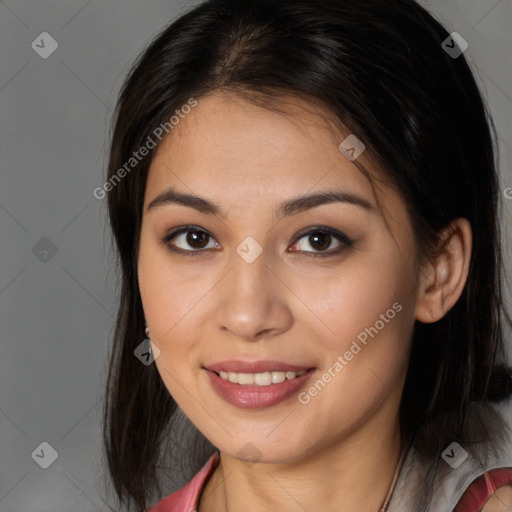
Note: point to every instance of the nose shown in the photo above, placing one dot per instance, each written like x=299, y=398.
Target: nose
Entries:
x=252, y=301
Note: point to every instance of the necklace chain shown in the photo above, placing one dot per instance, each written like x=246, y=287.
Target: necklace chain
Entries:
x=389, y=495
x=387, y=500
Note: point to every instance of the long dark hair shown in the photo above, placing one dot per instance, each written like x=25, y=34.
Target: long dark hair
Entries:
x=379, y=67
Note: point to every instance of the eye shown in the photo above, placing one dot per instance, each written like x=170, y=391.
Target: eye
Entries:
x=321, y=239
x=194, y=237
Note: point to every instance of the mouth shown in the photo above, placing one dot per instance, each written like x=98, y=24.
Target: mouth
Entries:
x=256, y=385
x=259, y=379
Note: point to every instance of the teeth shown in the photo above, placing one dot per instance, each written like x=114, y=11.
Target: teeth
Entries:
x=278, y=377
x=260, y=379
x=245, y=378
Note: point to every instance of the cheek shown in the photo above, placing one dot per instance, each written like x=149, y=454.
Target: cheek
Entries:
x=353, y=298
x=173, y=302
x=168, y=294
x=363, y=339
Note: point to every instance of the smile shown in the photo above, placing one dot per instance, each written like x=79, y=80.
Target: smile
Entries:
x=259, y=379
x=257, y=384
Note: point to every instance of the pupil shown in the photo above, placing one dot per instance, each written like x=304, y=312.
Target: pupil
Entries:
x=197, y=239
x=322, y=237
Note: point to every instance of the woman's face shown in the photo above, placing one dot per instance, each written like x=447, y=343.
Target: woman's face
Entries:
x=258, y=288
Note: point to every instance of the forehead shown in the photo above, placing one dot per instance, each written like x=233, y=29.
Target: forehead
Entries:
x=225, y=138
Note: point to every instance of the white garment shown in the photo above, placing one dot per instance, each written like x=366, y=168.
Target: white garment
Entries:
x=447, y=494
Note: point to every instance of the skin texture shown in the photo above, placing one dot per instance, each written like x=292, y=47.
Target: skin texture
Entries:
x=500, y=501
x=342, y=446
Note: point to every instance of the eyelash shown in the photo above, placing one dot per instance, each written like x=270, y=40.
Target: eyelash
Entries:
x=338, y=235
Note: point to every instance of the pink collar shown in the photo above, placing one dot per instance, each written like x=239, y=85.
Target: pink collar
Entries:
x=187, y=498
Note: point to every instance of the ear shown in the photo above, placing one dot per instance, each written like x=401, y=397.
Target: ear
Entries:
x=444, y=276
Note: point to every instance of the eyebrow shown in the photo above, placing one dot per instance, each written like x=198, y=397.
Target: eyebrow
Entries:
x=290, y=207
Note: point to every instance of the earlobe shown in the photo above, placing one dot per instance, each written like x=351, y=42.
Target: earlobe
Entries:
x=444, y=277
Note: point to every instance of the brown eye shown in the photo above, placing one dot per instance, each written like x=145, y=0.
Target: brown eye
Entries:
x=321, y=239
x=197, y=239
x=189, y=240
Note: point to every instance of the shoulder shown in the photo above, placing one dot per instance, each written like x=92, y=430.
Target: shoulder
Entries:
x=186, y=499
x=490, y=492
x=500, y=501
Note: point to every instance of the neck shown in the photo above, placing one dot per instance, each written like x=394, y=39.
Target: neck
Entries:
x=356, y=472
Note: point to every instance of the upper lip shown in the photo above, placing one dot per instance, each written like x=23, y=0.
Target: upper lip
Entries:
x=237, y=366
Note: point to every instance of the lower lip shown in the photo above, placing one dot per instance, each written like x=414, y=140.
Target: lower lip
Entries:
x=256, y=397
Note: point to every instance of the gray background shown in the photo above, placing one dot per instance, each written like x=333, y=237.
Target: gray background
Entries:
x=57, y=307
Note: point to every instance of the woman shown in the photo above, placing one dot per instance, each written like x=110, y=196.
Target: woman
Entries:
x=304, y=198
